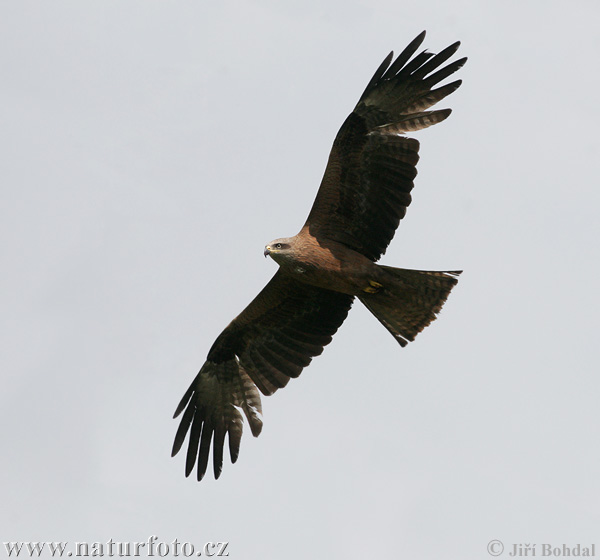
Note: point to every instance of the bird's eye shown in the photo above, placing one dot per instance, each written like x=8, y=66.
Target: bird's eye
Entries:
x=277, y=245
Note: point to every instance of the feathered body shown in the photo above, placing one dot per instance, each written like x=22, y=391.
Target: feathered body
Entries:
x=364, y=194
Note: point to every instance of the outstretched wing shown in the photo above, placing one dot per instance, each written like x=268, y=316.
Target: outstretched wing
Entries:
x=271, y=341
x=366, y=187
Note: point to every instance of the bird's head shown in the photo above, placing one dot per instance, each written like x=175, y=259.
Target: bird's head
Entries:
x=279, y=249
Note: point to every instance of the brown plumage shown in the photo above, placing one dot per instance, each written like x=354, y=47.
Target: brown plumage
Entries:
x=362, y=198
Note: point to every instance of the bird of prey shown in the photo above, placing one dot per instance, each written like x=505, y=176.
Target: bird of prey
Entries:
x=362, y=198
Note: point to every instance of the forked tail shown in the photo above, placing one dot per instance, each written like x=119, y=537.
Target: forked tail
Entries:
x=409, y=299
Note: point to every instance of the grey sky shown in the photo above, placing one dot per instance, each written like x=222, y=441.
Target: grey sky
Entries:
x=150, y=149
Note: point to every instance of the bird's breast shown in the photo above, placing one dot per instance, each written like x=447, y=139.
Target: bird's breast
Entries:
x=331, y=266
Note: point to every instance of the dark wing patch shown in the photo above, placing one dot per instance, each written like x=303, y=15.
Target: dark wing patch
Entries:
x=271, y=341
x=366, y=187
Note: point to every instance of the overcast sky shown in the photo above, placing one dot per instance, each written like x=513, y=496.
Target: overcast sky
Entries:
x=150, y=150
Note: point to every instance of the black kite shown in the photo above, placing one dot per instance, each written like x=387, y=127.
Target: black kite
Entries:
x=363, y=196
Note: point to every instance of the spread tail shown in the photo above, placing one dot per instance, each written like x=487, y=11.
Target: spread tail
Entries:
x=408, y=300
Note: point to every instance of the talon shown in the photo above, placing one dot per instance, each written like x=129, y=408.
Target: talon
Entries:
x=373, y=287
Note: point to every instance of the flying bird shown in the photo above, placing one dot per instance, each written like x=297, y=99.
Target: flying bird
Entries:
x=362, y=198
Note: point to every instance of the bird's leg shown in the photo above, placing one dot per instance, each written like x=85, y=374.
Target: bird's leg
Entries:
x=373, y=287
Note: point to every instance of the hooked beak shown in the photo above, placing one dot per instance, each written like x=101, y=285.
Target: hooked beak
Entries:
x=267, y=251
